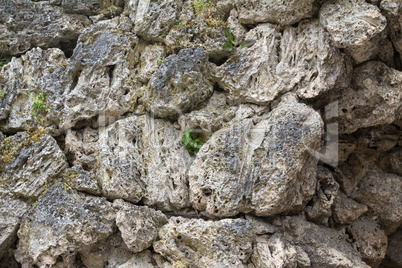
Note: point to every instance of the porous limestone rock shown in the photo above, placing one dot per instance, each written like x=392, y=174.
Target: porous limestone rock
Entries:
x=392, y=162
x=300, y=59
x=81, y=146
x=198, y=243
x=382, y=193
x=152, y=19
x=139, y=226
x=62, y=223
x=237, y=169
x=393, y=256
x=369, y=240
x=30, y=163
x=145, y=259
x=283, y=13
x=275, y=252
x=326, y=193
x=325, y=247
x=374, y=99
x=392, y=9
x=11, y=212
x=345, y=210
x=354, y=25
x=81, y=180
x=182, y=82
x=141, y=158
x=28, y=24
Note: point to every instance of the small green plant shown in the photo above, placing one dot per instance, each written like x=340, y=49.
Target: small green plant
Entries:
x=35, y=203
x=39, y=108
x=161, y=61
x=2, y=94
x=192, y=142
x=232, y=45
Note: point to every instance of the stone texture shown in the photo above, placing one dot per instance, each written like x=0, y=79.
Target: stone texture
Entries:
x=199, y=243
x=81, y=180
x=283, y=13
x=369, y=240
x=375, y=98
x=30, y=164
x=393, y=255
x=326, y=193
x=181, y=83
x=392, y=9
x=81, y=146
x=300, y=59
x=139, y=226
x=345, y=210
x=325, y=247
x=61, y=224
x=381, y=192
x=276, y=252
x=28, y=24
x=11, y=212
x=392, y=162
x=143, y=159
x=354, y=25
x=237, y=169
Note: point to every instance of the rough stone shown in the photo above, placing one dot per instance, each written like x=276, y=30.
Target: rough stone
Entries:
x=141, y=158
x=61, y=224
x=81, y=180
x=139, y=226
x=283, y=13
x=369, y=240
x=236, y=170
x=276, y=252
x=393, y=256
x=181, y=83
x=326, y=193
x=392, y=9
x=300, y=59
x=81, y=146
x=199, y=243
x=28, y=24
x=346, y=210
x=30, y=164
x=392, y=162
x=324, y=246
x=382, y=193
x=11, y=212
x=354, y=25
x=375, y=98
x=260, y=227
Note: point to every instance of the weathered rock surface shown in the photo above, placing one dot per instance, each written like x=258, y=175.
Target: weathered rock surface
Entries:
x=392, y=162
x=354, y=25
x=345, y=210
x=369, y=240
x=375, y=98
x=143, y=159
x=139, y=226
x=181, y=83
x=199, y=243
x=325, y=247
x=393, y=257
x=28, y=24
x=81, y=180
x=30, y=164
x=382, y=193
x=275, y=64
x=392, y=9
x=62, y=223
x=237, y=169
x=283, y=13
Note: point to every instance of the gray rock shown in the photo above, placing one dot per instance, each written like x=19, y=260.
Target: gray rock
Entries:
x=11, y=212
x=236, y=170
x=325, y=247
x=326, y=192
x=392, y=9
x=152, y=18
x=375, y=98
x=30, y=164
x=346, y=210
x=283, y=13
x=81, y=180
x=393, y=256
x=354, y=25
x=181, y=83
x=139, y=226
x=274, y=64
x=276, y=252
x=392, y=162
x=260, y=227
x=382, y=193
x=81, y=146
x=369, y=240
x=62, y=223
x=144, y=159
x=29, y=24
x=199, y=243
x=144, y=259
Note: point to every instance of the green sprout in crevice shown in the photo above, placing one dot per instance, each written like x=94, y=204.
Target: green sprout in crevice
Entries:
x=232, y=45
x=39, y=107
x=192, y=141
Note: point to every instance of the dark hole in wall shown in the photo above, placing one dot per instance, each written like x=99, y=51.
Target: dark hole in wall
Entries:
x=68, y=47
